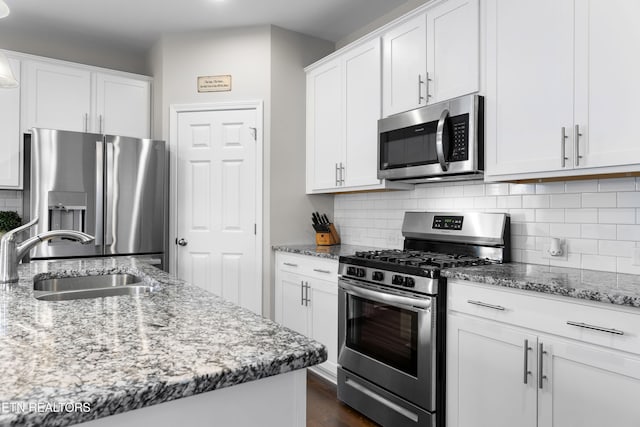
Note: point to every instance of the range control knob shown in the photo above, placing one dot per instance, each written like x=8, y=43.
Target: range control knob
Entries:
x=409, y=282
x=351, y=271
x=378, y=276
x=397, y=280
x=360, y=272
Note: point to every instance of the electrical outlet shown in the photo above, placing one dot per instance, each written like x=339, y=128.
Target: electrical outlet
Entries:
x=636, y=257
x=550, y=250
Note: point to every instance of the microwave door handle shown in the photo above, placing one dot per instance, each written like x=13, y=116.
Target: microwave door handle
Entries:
x=444, y=164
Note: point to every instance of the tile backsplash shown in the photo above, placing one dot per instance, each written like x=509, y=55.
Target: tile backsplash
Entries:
x=11, y=200
x=598, y=219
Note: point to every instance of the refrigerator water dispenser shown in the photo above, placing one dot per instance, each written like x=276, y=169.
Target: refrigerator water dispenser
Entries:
x=67, y=210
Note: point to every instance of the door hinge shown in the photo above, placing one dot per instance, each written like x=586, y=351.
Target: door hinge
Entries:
x=254, y=132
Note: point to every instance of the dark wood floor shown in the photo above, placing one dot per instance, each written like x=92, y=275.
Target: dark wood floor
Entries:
x=325, y=410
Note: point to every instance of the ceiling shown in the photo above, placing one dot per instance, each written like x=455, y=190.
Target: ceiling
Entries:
x=138, y=24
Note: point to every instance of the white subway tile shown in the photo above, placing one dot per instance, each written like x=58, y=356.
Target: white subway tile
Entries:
x=599, y=262
x=410, y=204
x=499, y=189
x=488, y=202
x=628, y=232
x=523, y=242
x=550, y=215
x=565, y=230
x=615, y=248
x=629, y=200
x=582, y=246
x=550, y=188
x=566, y=201
x=625, y=265
x=617, y=216
x=534, y=257
x=522, y=215
x=581, y=216
x=598, y=231
x=522, y=189
x=471, y=190
x=541, y=243
x=637, y=216
x=588, y=186
x=638, y=183
x=463, y=203
x=617, y=184
x=453, y=191
x=509, y=202
x=516, y=255
x=574, y=260
x=517, y=229
x=535, y=201
x=599, y=200
x=536, y=229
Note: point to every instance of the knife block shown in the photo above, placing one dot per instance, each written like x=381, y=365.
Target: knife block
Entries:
x=328, y=239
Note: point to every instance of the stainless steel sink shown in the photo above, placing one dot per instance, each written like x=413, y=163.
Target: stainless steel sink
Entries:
x=69, y=288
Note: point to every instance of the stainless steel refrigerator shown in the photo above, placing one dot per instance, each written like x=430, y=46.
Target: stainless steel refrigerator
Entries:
x=111, y=187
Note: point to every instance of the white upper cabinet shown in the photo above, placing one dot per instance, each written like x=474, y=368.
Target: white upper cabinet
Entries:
x=79, y=98
x=122, y=106
x=561, y=101
x=404, y=66
x=10, y=141
x=57, y=97
x=431, y=57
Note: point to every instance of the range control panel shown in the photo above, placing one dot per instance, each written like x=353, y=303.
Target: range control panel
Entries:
x=447, y=222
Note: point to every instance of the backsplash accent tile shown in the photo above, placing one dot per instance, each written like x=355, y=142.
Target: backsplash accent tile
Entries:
x=599, y=219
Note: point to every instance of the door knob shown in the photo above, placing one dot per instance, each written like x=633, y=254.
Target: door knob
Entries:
x=181, y=242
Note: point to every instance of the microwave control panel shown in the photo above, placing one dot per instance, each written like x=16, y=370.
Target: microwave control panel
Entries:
x=459, y=142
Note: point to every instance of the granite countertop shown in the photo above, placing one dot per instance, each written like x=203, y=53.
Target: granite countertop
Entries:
x=330, y=252
x=613, y=288
x=122, y=353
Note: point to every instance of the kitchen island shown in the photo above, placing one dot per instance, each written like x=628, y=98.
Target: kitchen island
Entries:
x=174, y=352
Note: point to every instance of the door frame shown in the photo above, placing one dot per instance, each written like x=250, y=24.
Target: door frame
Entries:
x=174, y=111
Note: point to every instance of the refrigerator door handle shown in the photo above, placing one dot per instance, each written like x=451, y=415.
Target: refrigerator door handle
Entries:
x=99, y=232
x=109, y=189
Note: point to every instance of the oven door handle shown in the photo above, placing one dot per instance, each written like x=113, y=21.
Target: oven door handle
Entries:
x=386, y=298
x=444, y=164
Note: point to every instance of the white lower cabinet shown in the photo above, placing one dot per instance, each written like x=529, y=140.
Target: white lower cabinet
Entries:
x=501, y=375
x=306, y=301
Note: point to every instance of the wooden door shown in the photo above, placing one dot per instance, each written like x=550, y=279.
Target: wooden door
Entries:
x=216, y=232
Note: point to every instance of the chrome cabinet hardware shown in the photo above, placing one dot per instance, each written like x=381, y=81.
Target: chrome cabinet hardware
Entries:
x=337, y=180
x=181, y=242
x=527, y=372
x=595, y=328
x=576, y=137
x=301, y=292
x=341, y=174
x=290, y=264
x=420, y=82
x=86, y=122
x=427, y=80
x=563, y=147
x=100, y=121
x=304, y=293
x=484, y=304
x=541, y=376
x=322, y=271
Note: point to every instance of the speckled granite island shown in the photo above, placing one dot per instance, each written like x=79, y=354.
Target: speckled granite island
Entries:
x=161, y=352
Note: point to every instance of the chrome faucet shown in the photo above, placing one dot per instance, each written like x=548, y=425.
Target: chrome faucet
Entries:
x=12, y=252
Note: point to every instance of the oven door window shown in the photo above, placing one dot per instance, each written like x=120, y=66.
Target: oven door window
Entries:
x=383, y=332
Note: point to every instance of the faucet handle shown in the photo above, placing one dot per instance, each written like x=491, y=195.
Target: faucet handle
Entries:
x=9, y=234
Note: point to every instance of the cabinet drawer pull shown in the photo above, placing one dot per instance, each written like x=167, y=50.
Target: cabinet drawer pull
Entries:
x=484, y=304
x=420, y=82
x=576, y=137
x=527, y=372
x=541, y=376
x=595, y=328
x=563, y=147
x=290, y=264
x=322, y=271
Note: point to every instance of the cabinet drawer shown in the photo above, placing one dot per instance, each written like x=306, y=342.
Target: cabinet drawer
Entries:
x=602, y=324
x=320, y=268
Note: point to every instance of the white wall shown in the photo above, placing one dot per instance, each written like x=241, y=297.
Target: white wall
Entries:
x=600, y=219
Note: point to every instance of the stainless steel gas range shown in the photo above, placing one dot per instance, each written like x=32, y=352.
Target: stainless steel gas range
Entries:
x=392, y=312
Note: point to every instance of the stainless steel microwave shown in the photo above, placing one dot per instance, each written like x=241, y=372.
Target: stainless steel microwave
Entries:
x=443, y=141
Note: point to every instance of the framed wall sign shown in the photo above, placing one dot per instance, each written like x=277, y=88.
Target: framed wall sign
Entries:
x=214, y=83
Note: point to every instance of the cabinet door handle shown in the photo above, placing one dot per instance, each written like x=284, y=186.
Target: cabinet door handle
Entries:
x=576, y=137
x=484, y=304
x=306, y=294
x=341, y=174
x=322, y=271
x=86, y=122
x=527, y=372
x=101, y=123
x=302, y=292
x=563, y=147
x=595, y=328
x=337, y=180
x=420, y=97
x=541, y=376
x=290, y=264
x=427, y=80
